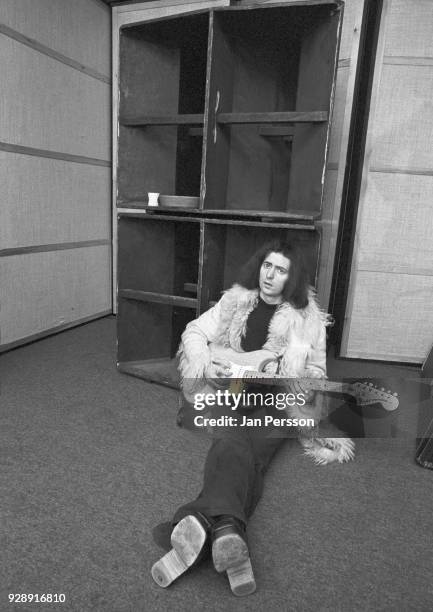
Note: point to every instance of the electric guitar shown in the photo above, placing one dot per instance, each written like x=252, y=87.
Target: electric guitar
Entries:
x=248, y=367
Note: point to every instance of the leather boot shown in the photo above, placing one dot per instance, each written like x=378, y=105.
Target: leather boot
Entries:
x=230, y=554
x=188, y=541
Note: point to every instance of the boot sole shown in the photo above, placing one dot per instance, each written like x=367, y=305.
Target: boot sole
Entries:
x=187, y=540
x=230, y=554
x=241, y=579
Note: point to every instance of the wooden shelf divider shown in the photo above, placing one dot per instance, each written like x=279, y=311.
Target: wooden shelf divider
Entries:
x=144, y=120
x=279, y=117
x=158, y=298
x=296, y=216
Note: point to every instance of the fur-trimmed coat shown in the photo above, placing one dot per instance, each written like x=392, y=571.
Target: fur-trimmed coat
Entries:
x=296, y=337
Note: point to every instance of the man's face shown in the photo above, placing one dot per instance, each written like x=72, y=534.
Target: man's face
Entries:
x=274, y=274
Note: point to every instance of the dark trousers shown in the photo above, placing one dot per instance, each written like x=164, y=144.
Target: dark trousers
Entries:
x=233, y=475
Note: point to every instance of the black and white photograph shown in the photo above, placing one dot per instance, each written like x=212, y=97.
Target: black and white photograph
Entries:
x=216, y=321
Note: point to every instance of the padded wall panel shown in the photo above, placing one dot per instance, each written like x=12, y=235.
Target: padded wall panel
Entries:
x=390, y=316
x=44, y=290
x=409, y=29
x=48, y=201
x=403, y=124
x=396, y=225
x=79, y=29
x=49, y=105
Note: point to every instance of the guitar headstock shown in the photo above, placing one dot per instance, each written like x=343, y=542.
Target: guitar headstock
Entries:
x=367, y=393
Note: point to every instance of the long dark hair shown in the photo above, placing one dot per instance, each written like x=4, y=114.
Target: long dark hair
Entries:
x=296, y=288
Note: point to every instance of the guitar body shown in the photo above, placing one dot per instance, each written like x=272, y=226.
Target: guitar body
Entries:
x=253, y=359
x=242, y=362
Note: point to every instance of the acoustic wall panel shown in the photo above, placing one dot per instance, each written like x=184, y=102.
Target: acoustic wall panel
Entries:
x=47, y=290
x=79, y=29
x=403, y=125
x=390, y=316
x=49, y=105
x=48, y=201
x=409, y=29
x=396, y=226
x=55, y=227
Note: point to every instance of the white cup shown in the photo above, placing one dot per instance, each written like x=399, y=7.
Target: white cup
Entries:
x=152, y=199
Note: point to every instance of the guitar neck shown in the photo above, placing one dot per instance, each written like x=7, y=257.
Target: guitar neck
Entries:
x=321, y=384
x=313, y=384
x=364, y=393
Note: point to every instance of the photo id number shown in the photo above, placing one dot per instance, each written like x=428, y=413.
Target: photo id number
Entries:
x=37, y=598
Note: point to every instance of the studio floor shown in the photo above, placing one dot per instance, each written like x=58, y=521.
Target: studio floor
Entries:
x=92, y=459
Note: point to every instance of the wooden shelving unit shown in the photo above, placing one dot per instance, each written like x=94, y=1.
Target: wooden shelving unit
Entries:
x=231, y=105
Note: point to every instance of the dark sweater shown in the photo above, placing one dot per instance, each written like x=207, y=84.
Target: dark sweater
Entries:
x=258, y=325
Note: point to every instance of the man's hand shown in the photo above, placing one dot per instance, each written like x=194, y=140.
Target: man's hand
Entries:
x=218, y=373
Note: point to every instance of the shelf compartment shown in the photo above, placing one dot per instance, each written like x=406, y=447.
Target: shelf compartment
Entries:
x=232, y=244
x=162, y=120
x=146, y=330
x=270, y=66
x=162, y=159
x=160, y=298
x=161, y=89
x=163, y=66
x=254, y=173
x=274, y=117
x=157, y=255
